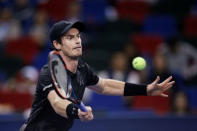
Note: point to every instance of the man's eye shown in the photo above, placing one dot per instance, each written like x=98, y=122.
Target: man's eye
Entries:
x=69, y=37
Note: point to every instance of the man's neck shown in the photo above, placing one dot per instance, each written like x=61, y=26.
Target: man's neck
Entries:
x=71, y=64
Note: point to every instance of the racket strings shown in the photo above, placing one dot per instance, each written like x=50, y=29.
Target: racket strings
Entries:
x=71, y=88
x=62, y=77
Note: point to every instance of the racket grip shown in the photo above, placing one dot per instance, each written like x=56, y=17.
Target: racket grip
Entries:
x=82, y=107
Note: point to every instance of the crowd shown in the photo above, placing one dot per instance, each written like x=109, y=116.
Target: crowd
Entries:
x=117, y=31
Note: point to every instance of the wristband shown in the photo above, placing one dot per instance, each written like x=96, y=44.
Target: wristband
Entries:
x=72, y=111
x=134, y=89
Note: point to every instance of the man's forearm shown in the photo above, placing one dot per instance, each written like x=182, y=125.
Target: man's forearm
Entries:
x=112, y=87
x=59, y=105
x=115, y=87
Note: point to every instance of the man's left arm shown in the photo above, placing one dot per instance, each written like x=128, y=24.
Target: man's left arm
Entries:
x=115, y=87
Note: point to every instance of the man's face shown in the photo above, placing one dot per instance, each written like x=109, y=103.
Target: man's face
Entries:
x=71, y=44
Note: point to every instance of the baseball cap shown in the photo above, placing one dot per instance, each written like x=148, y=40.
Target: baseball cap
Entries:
x=61, y=27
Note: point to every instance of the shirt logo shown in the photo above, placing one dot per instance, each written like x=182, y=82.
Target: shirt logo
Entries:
x=46, y=87
x=81, y=81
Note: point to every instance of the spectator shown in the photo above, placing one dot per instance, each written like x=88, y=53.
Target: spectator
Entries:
x=73, y=10
x=119, y=70
x=110, y=11
x=40, y=27
x=159, y=67
x=23, y=11
x=131, y=51
x=180, y=105
x=181, y=58
x=9, y=27
x=27, y=79
x=6, y=109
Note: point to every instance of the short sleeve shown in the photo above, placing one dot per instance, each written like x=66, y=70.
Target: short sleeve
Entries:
x=91, y=78
x=45, y=82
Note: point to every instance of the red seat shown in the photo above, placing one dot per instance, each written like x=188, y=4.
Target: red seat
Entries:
x=134, y=10
x=20, y=101
x=23, y=47
x=147, y=44
x=56, y=9
x=190, y=26
x=156, y=103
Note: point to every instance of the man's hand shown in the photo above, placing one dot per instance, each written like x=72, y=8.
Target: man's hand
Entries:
x=86, y=116
x=158, y=89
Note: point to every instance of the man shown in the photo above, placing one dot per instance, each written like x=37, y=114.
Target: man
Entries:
x=49, y=111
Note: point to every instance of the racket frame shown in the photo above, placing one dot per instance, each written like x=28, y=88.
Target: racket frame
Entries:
x=80, y=104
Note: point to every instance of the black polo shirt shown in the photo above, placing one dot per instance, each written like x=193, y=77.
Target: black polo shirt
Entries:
x=43, y=117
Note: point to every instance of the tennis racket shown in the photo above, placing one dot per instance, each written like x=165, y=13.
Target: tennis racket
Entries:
x=61, y=80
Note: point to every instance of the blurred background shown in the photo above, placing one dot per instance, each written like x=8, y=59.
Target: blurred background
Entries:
x=164, y=32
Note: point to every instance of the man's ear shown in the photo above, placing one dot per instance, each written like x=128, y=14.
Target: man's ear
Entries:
x=57, y=45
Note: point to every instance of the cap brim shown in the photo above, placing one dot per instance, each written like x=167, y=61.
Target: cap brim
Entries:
x=78, y=25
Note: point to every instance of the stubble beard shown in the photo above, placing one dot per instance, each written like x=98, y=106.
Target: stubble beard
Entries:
x=73, y=57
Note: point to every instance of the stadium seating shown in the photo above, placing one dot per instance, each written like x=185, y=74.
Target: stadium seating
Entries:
x=190, y=26
x=164, y=25
x=107, y=103
x=191, y=92
x=94, y=11
x=157, y=104
x=24, y=47
x=19, y=100
x=134, y=10
x=147, y=44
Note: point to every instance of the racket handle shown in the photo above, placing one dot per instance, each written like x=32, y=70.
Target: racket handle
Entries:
x=82, y=107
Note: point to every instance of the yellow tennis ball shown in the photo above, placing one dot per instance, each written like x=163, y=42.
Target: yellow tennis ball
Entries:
x=139, y=63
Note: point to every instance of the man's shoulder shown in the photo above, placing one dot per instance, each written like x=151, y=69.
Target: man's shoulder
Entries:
x=44, y=69
x=45, y=80
x=44, y=72
x=82, y=64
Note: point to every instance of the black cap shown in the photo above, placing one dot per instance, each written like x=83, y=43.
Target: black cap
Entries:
x=61, y=27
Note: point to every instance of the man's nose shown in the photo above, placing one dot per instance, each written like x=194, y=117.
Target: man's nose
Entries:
x=77, y=40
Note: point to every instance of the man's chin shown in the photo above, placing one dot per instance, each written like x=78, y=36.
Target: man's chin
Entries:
x=76, y=56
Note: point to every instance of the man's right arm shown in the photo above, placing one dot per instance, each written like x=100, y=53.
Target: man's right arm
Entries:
x=59, y=105
x=47, y=89
x=65, y=108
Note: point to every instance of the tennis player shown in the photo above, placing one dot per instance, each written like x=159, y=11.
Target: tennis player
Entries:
x=50, y=112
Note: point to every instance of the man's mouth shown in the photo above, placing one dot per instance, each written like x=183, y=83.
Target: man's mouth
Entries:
x=77, y=47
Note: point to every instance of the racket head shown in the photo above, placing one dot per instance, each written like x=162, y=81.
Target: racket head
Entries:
x=58, y=74
x=60, y=79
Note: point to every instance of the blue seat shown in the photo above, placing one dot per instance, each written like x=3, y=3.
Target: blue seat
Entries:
x=107, y=103
x=162, y=25
x=93, y=11
x=192, y=96
x=41, y=58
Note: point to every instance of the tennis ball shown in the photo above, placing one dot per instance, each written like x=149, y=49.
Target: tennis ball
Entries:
x=139, y=63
